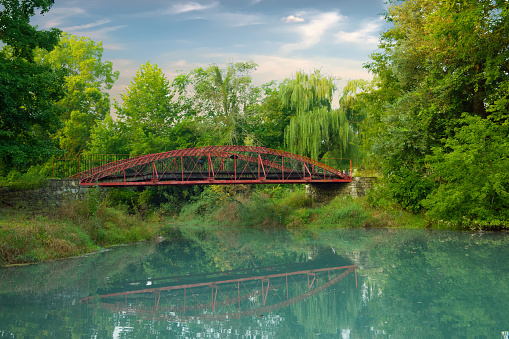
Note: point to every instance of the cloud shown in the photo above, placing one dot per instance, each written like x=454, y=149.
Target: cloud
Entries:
x=277, y=68
x=311, y=33
x=114, y=47
x=57, y=16
x=292, y=18
x=90, y=25
x=191, y=7
x=367, y=35
x=101, y=34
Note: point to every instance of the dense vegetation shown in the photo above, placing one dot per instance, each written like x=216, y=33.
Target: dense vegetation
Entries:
x=433, y=122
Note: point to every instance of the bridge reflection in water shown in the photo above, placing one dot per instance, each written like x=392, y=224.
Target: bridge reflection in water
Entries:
x=215, y=297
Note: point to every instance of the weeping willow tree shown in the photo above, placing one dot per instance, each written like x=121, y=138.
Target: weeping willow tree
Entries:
x=305, y=92
x=319, y=132
x=315, y=130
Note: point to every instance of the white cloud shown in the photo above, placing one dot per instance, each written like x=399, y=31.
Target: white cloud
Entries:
x=367, y=35
x=101, y=34
x=57, y=16
x=292, y=18
x=311, y=33
x=114, y=46
x=191, y=7
x=90, y=25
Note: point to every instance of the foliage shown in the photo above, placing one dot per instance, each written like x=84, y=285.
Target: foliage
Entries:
x=146, y=118
x=87, y=79
x=74, y=228
x=315, y=129
x=271, y=119
x=222, y=102
x=317, y=132
x=306, y=92
x=166, y=200
x=440, y=82
x=24, y=181
x=27, y=89
x=342, y=212
x=481, y=199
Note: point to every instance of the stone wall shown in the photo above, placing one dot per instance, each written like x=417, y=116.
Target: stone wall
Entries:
x=325, y=192
x=55, y=193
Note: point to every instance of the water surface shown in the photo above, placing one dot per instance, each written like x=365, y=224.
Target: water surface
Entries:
x=244, y=283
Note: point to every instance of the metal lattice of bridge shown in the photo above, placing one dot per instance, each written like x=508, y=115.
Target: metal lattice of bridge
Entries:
x=213, y=165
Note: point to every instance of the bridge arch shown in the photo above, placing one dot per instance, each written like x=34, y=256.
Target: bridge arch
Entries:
x=213, y=165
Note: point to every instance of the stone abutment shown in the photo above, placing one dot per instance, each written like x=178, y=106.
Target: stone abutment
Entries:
x=54, y=194
x=325, y=192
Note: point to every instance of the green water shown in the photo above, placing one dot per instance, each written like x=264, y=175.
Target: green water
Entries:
x=241, y=283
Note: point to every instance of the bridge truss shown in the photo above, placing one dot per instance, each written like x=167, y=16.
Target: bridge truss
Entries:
x=213, y=165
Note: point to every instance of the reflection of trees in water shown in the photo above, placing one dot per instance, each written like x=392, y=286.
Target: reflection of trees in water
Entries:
x=415, y=283
x=442, y=285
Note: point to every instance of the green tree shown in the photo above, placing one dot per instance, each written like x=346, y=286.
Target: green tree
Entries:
x=271, y=118
x=223, y=102
x=440, y=64
x=316, y=129
x=27, y=90
x=147, y=118
x=88, y=78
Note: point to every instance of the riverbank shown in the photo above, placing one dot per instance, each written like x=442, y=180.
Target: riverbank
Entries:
x=101, y=220
x=28, y=236
x=291, y=208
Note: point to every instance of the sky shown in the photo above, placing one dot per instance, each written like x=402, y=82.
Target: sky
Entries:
x=281, y=36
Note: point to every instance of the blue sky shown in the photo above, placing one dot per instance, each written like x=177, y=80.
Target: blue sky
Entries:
x=281, y=36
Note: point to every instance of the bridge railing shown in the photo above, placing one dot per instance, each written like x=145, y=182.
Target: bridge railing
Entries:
x=342, y=164
x=210, y=164
x=66, y=167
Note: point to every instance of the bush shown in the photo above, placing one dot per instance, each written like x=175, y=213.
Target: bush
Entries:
x=26, y=181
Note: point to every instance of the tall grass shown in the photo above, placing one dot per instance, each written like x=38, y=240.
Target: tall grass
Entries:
x=74, y=228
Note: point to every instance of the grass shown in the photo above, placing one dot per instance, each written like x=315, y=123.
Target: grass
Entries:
x=275, y=207
x=69, y=230
x=79, y=227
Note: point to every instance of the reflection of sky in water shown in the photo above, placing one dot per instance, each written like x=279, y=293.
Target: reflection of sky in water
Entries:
x=121, y=331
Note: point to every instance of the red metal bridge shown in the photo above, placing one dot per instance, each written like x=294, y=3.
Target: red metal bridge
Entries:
x=213, y=165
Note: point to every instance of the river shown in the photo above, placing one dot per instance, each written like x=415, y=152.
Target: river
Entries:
x=246, y=283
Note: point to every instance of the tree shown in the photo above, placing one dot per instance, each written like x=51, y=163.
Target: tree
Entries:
x=223, y=101
x=88, y=78
x=315, y=130
x=27, y=90
x=270, y=120
x=146, y=117
x=440, y=65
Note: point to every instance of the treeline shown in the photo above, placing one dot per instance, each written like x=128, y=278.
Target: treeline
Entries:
x=71, y=114
x=438, y=110
x=433, y=121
